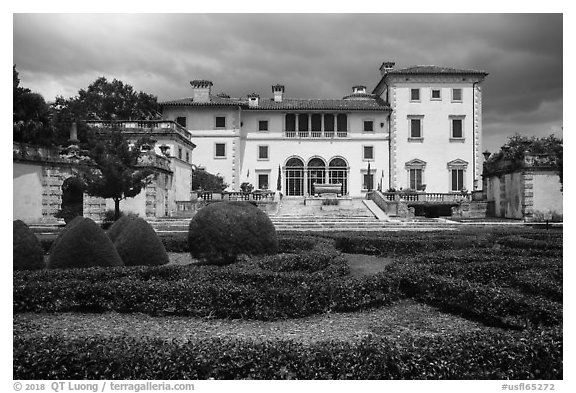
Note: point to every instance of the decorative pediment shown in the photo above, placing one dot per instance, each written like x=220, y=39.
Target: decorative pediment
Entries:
x=457, y=164
x=415, y=164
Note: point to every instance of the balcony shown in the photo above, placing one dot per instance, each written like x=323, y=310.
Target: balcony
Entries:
x=156, y=126
x=315, y=134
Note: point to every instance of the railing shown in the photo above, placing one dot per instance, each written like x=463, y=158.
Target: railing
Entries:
x=315, y=134
x=431, y=197
x=236, y=196
x=148, y=125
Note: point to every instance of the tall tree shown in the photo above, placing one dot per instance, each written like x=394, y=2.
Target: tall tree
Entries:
x=117, y=174
x=103, y=100
x=31, y=115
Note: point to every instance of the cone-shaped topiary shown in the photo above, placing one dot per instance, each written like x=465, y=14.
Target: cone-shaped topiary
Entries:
x=137, y=242
x=221, y=231
x=119, y=226
x=83, y=244
x=28, y=253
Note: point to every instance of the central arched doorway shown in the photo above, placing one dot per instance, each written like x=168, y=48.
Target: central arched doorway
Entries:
x=338, y=173
x=316, y=174
x=294, y=177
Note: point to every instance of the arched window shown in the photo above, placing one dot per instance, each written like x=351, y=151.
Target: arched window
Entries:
x=316, y=174
x=294, y=175
x=338, y=173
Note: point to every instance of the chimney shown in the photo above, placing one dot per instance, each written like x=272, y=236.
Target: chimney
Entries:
x=358, y=89
x=201, y=89
x=253, y=100
x=278, y=91
x=386, y=67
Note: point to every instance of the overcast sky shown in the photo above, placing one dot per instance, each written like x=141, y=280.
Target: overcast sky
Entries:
x=313, y=55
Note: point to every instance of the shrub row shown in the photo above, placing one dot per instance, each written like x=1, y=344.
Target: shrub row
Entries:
x=242, y=290
x=497, y=306
x=529, y=274
x=528, y=355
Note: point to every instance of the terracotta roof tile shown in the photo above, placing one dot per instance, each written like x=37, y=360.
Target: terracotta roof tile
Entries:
x=214, y=101
x=288, y=103
x=432, y=69
x=321, y=104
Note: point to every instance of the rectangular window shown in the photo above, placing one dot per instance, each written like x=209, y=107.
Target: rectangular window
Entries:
x=328, y=122
x=457, y=179
x=415, y=128
x=220, y=122
x=181, y=120
x=435, y=94
x=368, y=125
x=290, y=122
x=368, y=152
x=342, y=122
x=262, y=181
x=414, y=94
x=187, y=157
x=457, y=95
x=415, y=179
x=316, y=122
x=302, y=122
x=262, y=125
x=457, y=129
x=368, y=181
x=263, y=153
x=180, y=153
x=220, y=150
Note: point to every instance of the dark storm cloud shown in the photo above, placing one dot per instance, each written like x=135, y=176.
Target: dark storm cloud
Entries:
x=313, y=55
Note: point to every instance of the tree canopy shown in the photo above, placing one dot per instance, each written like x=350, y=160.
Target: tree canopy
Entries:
x=103, y=100
x=117, y=174
x=31, y=115
x=520, y=145
x=206, y=181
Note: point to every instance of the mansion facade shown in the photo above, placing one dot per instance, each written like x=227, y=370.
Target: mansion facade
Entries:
x=419, y=128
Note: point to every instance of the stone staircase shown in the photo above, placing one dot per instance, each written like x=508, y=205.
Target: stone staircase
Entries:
x=293, y=215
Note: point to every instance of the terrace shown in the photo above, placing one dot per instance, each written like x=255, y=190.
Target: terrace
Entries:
x=139, y=126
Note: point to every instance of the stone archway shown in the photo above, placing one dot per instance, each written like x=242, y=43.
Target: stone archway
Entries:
x=338, y=173
x=72, y=198
x=316, y=173
x=294, y=175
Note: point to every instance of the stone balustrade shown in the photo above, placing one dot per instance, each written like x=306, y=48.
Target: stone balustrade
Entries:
x=142, y=125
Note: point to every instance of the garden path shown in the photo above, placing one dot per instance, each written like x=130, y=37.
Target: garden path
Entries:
x=405, y=317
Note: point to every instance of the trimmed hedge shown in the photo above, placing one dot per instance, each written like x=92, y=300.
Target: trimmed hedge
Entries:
x=220, y=232
x=242, y=290
x=27, y=253
x=494, y=306
x=137, y=243
x=529, y=355
x=82, y=244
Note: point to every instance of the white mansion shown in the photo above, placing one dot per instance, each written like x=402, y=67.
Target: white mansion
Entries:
x=420, y=127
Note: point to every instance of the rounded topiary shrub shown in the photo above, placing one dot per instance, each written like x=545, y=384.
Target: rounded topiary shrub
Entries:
x=28, y=253
x=118, y=227
x=221, y=231
x=137, y=242
x=83, y=244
